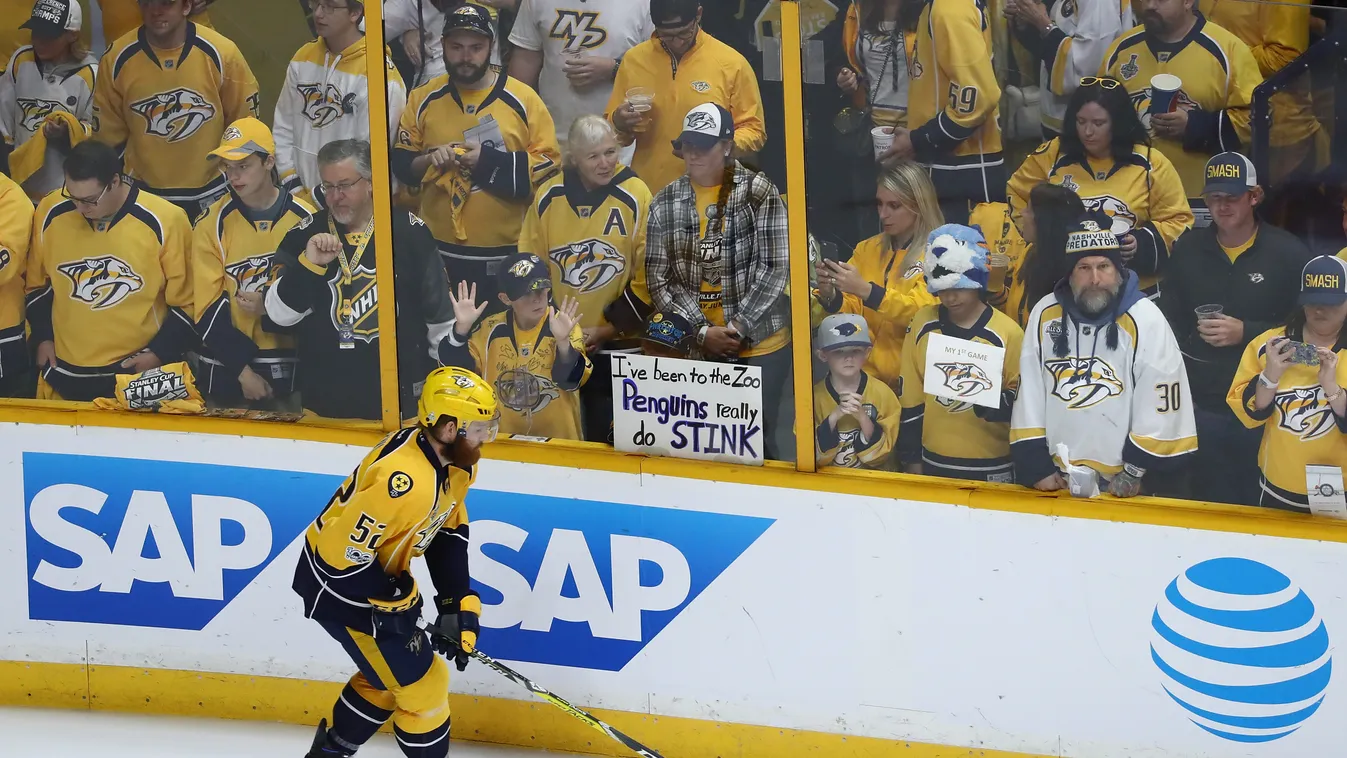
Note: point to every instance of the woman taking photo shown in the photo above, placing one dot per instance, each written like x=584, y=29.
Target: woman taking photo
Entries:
x=883, y=280
x=1290, y=383
x=589, y=224
x=1104, y=155
x=1044, y=224
x=717, y=254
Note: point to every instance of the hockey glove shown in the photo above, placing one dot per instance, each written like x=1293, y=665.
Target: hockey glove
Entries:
x=459, y=625
x=396, y=611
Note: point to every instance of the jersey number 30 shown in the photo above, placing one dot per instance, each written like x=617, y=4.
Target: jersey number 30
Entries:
x=1171, y=397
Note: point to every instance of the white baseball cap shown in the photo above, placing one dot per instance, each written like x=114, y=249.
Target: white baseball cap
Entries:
x=52, y=18
x=704, y=126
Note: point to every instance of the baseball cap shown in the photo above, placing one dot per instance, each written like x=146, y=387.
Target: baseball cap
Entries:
x=523, y=273
x=669, y=330
x=673, y=13
x=1093, y=235
x=842, y=330
x=471, y=18
x=244, y=138
x=52, y=18
x=1230, y=173
x=1324, y=281
x=704, y=126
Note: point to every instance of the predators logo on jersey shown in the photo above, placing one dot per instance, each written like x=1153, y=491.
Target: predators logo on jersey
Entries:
x=524, y=392
x=1124, y=220
x=102, y=282
x=579, y=29
x=252, y=274
x=846, y=450
x=174, y=115
x=324, y=105
x=589, y=265
x=1302, y=411
x=1083, y=382
x=964, y=379
x=35, y=112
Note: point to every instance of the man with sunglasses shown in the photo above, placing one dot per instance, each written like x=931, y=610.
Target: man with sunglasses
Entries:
x=683, y=67
x=108, y=285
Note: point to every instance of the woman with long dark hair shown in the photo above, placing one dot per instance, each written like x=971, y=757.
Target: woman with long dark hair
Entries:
x=1046, y=220
x=1104, y=156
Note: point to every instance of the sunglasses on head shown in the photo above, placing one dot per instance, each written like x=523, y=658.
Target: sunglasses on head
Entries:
x=1103, y=82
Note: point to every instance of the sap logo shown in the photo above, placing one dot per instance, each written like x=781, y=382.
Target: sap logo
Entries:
x=590, y=584
x=151, y=543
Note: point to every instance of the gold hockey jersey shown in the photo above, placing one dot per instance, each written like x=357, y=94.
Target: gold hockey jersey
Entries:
x=1299, y=427
x=948, y=436
x=122, y=17
x=169, y=108
x=539, y=394
x=16, y=231
x=398, y=504
x=843, y=445
x=1219, y=76
x=593, y=242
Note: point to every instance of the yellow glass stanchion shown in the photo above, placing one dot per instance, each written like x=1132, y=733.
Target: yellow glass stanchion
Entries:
x=376, y=74
x=801, y=334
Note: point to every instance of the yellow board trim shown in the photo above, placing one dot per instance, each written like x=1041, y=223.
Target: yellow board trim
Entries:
x=522, y=723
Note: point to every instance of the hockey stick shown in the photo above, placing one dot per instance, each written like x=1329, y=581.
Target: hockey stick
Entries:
x=556, y=700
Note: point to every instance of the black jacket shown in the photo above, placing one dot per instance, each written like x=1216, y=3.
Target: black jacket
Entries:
x=1259, y=288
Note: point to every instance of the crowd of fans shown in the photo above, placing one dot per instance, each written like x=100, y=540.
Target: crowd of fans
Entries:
x=573, y=182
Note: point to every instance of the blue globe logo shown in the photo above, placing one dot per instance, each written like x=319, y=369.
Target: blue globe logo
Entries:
x=1241, y=649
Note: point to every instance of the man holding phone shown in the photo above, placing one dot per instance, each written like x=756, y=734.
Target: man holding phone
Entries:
x=1226, y=284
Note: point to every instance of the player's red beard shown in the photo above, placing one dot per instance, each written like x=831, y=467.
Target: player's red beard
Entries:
x=465, y=453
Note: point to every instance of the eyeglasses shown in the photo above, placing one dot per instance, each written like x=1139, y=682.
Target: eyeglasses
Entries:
x=684, y=33
x=65, y=193
x=1103, y=82
x=326, y=7
x=332, y=190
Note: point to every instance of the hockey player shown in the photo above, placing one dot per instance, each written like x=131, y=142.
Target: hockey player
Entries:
x=167, y=93
x=533, y=353
x=233, y=264
x=951, y=438
x=1218, y=75
x=477, y=143
x=47, y=97
x=326, y=96
x=855, y=415
x=405, y=499
x=1101, y=373
x=108, y=282
x=16, y=229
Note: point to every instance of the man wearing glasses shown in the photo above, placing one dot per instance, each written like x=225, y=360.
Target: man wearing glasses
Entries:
x=663, y=78
x=326, y=95
x=328, y=295
x=166, y=94
x=108, y=284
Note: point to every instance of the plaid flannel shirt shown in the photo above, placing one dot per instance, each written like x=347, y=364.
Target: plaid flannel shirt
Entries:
x=755, y=255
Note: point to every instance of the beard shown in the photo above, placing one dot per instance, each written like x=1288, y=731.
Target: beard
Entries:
x=1094, y=301
x=466, y=73
x=1155, y=24
x=465, y=453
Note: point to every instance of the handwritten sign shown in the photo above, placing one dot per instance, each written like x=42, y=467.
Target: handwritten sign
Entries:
x=964, y=371
x=687, y=409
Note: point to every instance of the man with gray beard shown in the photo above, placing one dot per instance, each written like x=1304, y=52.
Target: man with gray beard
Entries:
x=1100, y=374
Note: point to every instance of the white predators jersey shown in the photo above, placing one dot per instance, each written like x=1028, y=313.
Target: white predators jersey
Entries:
x=606, y=28
x=326, y=98
x=28, y=94
x=1109, y=406
x=1086, y=30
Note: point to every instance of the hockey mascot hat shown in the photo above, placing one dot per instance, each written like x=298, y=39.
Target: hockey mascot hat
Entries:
x=955, y=259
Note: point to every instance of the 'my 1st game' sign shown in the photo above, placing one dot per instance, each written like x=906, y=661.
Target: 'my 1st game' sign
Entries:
x=687, y=409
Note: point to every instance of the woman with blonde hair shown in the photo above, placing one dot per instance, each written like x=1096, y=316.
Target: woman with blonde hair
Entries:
x=883, y=281
x=589, y=224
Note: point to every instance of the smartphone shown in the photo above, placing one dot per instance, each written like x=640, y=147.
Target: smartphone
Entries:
x=831, y=251
x=1302, y=353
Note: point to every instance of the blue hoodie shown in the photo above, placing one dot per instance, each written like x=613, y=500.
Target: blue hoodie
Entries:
x=1128, y=296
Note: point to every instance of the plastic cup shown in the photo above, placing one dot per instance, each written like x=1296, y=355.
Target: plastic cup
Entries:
x=1165, y=93
x=641, y=100
x=883, y=137
x=998, y=265
x=1210, y=311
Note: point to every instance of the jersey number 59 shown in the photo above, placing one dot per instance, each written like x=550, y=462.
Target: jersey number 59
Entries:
x=962, y=99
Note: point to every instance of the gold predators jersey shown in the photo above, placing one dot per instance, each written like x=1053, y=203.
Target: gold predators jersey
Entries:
x=1299, y=428
x=997, y=224
x=109, y=289
x=538, y=394
x=1143, y=195
x=16, y=229
x=842, y=445
x=398, y=504
x=593, y=242
x=945, y=435
x=1219, y=76
x=231, y=254
x=170, y=107
x=504, y=180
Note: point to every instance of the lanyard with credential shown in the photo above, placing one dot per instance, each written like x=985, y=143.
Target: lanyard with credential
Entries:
x=345, y=313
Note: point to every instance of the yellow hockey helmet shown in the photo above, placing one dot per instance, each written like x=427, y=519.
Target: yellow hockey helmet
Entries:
x=460, y=395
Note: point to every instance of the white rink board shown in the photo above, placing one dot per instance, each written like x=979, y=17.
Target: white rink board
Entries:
x=935, y=623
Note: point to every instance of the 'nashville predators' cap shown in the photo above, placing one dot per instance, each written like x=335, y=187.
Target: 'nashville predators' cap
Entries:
x=843, y=330
x=669, y=330
x=1323, y=281
x=243, y=138
x=469, y=18
x=523, y=273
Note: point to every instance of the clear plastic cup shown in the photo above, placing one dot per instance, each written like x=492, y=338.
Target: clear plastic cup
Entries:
x=998, y=266
x=641, y=100
x=1209, y=311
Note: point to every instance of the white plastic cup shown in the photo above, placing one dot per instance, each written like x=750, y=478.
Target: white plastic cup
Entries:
x=1209, y=311
x=883, y=137
x=1165, y=93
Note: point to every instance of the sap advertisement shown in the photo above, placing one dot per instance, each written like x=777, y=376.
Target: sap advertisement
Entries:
x=898, y=619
